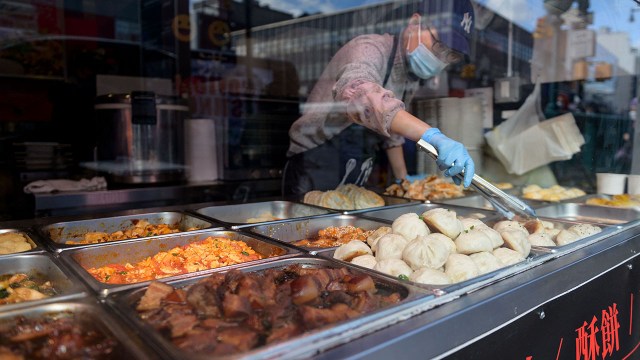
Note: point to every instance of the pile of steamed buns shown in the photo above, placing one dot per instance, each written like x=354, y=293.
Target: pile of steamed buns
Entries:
x=440, y=248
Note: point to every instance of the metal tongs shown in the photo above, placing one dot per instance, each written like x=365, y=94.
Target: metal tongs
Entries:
x=505, y=204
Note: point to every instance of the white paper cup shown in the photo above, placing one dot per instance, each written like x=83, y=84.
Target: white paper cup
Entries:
x=633, y=184
x=611, y=184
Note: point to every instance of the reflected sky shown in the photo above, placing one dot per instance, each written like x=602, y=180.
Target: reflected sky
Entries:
x=614, y=14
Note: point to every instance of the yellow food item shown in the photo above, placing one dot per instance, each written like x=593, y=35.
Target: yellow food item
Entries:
x=210, y=253
x=13, y=242
x=622, y=200
x=553, y=193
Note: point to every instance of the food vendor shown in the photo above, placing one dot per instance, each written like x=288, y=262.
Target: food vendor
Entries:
x=367, y=84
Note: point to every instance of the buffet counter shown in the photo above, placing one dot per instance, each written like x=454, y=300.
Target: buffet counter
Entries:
x=567, y=301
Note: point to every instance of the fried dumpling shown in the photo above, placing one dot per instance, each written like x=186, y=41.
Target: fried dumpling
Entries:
x=335, y=200
x=584, y=230
x=541, y=239
x=508, y=256
x=364, y=199
x=565, y=237
x=517, y=240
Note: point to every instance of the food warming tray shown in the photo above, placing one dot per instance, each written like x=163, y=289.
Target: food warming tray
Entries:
x=236, y=215
x=291, y=231
x=589, y=213
x=394, y=213
x=117, y=252
x=91, y=317
x=59, y=233
x=415, y=300
x=42, y=266
x=36, y=247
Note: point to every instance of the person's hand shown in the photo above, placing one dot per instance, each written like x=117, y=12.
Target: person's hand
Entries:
x=416, y=177
x=453, y=157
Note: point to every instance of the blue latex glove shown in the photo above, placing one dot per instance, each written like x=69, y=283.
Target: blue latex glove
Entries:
x=413, y=178
x=452, y=156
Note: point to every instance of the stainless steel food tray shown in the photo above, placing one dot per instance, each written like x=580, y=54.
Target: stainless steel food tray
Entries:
x=116, y=252
x=43, y=266
x=415, y=300
x=59, y=233
x=291, y=231
x=589, y=213
x=394, y=213
x=91, y=316
x=36, y=246
x=236, y=215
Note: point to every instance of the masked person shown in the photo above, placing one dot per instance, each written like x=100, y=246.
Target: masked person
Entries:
x=366, y=84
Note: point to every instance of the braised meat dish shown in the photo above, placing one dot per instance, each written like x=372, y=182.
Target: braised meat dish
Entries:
x=54, y=336
x=236, y=312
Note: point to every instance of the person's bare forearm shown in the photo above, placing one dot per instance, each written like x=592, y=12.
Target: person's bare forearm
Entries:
x=396, y=159
x=408, y=125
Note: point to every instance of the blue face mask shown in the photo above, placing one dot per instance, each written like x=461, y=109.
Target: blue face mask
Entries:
x=422, y=61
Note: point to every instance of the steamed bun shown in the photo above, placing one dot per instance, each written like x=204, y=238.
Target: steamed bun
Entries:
x=409, y=225
x=352, y=249
x=460, y=267
x=424, y=251
x=390, y=246
x=430, y=276
x=443, y=221
x=393, y=267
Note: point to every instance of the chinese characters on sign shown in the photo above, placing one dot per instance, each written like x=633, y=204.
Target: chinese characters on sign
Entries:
x=598, y=339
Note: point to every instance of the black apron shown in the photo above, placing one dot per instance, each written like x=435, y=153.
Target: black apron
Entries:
x=323, y=167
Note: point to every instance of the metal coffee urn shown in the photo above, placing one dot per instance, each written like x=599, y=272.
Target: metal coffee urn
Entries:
x=140, y=138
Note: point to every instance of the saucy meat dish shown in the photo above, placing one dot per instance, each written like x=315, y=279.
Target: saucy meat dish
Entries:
x=209, y=253
x=335, y=236
x=54, y=336
x=235, y=312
